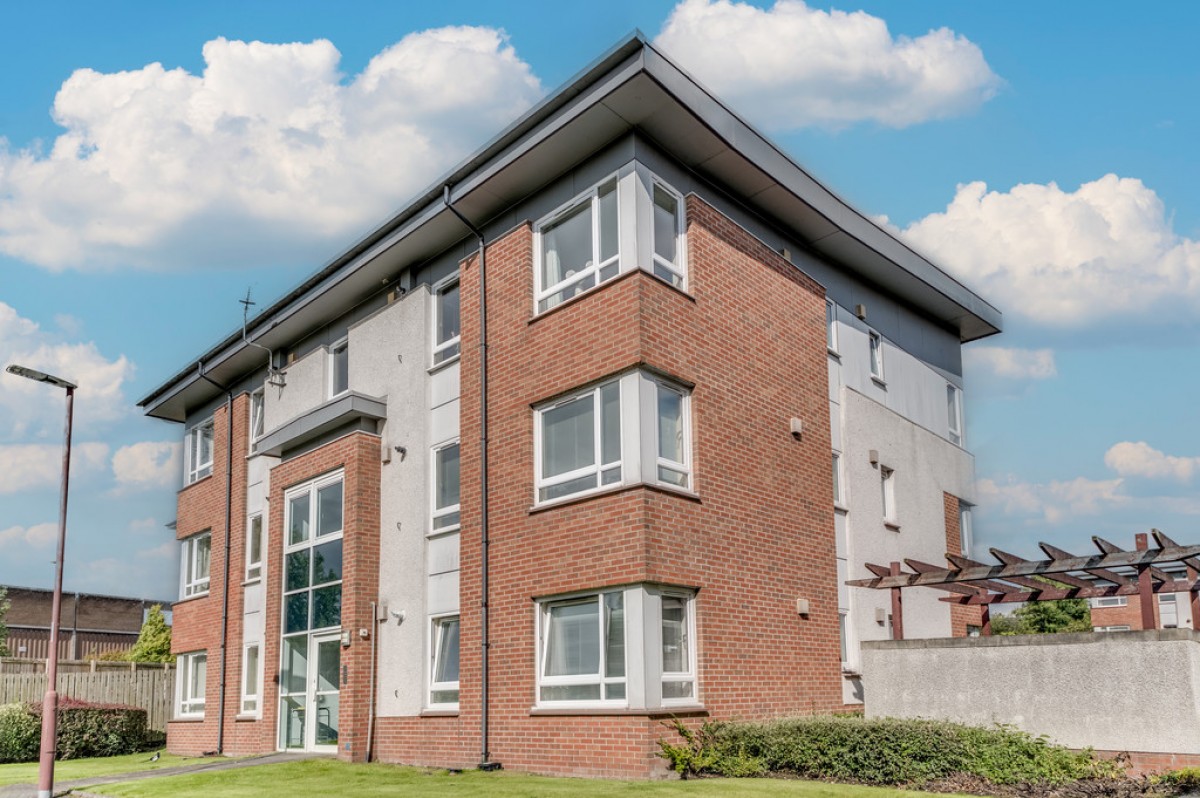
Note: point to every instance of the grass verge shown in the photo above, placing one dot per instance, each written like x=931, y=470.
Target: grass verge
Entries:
x=71, y=769
x=329, y=777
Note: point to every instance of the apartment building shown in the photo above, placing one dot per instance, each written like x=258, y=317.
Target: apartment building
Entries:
x=586, y=437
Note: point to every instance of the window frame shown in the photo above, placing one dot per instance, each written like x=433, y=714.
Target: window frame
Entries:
x=831, y=332
x=257, y=423
x=1117, y=601
x=448, y=351
x=193, y=469
x=186, y=704
x=839, y=488
x=437, y=624
x=660, y=462
x=254, y=568
x=689, y=601
x=590, y=197
x=257, y=672
x=600, y=678
x=312, y=489
x=191, y=586
x=342, y=345
x=887, y=481
x=875, y=355
x=453, y=511
x=966, y=528
x=954, y=414
x=598, y=467
x=677, y=272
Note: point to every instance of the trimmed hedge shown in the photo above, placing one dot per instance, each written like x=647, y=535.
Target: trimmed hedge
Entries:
x=84, y=730
x=885, y=751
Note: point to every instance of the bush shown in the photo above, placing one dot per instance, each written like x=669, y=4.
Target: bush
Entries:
x=878, y=751
x=1186, y=780
x=20, y=734
x=86, y=729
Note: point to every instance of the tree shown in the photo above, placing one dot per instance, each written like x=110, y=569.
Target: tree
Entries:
x=1046, y=617
x=154, y=641
x=3, y=627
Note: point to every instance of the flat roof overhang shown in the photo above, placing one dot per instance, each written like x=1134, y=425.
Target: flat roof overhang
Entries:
x=631, y=89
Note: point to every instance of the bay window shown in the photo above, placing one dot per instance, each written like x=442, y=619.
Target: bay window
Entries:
x=631, y=429
x=194, y=568
x=629, y=220
x=627, y=647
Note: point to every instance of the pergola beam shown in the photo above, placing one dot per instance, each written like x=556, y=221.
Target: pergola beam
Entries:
x=1056, y=594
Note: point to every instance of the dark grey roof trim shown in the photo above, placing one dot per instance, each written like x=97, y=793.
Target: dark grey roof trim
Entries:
x=334, y=414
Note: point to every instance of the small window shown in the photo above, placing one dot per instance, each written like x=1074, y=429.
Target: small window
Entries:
x=251, y=679
x=256, y=418
x=583, y=649
x=447, y=324
x=339, y=368
x=838, y=499
x=831, y=338
x=965, y=530
x=191, y=673
x=887, y=478
x=196, y=556
x=876, y=344
x=678, y=661
x=254, y=547
x=668, y=235
x=954, y=413
x=579, y=246
x=199, y=451
x=446, y=487
x=843, y=617
x=673, y=438
x=1110, y=601
x=443, y=680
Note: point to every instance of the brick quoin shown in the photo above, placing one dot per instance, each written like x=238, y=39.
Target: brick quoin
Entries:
x=961, y=616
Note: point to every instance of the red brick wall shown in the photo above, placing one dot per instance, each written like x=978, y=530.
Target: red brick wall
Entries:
x=961, y=616
x=751, y=338
x=1130, y=615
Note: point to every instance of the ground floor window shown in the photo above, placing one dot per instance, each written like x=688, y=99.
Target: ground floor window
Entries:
x=191, y=672
x=443, y=670
x=590, y=644
x=250, y=679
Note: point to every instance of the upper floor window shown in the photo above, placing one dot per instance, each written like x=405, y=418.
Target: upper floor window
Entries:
x=627, y=221
x=1110, y=601
x=876, y=344
x=198, y=451
x=339, y=368
x=954, y=413
x=257, y=426
x=838, y=498
x=446, y=487
x=313, y=518
x=251, y=678
x=965, y=530
x=443, y=666
x=635, y=428
x=254, y=547
x=887, y=479
x=447, y=323
x=197, y=552
x=191, y=672
x=831, y=338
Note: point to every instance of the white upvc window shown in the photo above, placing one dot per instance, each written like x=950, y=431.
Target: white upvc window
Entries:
x=339, y=368
x=1110, y=601
x=191, y=670
x=887, y=480
x=838, y=499
x=966, y=528
x=629, y=220
x=831, y=336
x=1118, y=628
x=632, y=429
x=254, y=546
x=447, y=323
x=443, y=662
x=954, y=413
x=194, y=567
x=631, y=646
x=251, y=679
x=257, y=422
x=876, y=346
x=446, y=485
x=198, y=451
x=312, y=565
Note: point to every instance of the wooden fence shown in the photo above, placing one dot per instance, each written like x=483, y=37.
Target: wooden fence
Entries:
x=149, y=685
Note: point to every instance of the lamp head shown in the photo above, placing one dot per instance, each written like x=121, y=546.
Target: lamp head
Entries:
x=40, y=376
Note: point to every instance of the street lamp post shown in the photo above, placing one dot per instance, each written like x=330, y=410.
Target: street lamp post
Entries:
x=50, y=702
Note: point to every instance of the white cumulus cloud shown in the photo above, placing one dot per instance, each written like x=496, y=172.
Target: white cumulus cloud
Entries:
x=1142, y=460
x=1066, y=259
x=792, y=66
x=31, y=466
x=149, y=464
x=270, y=144
x=38, y=536
x=1011, y=362
x=1054, y=501
x=28, y=408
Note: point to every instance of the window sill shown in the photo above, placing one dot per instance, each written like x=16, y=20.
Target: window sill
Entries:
x=684, y=709
x=448, y=530
x=246, y=718
x=892, y=525
x=254, y=580
x=880, y=381
x=190, y=719
x=566, y=303
x=193, y=597
x=610, y=490
x=196, y=482
x=838, y=507
x=445, y=364
x=439, y=713
x=833, y=353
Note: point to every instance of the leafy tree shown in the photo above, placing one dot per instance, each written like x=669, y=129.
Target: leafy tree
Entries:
x=1046, y=617
x=3, y=627
x=154, y=641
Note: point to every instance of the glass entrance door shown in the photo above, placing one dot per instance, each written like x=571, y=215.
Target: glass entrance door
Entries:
x=308, y=692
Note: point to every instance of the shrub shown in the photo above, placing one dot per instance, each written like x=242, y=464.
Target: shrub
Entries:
x=20, y=733
x=878, y=751
x=86, y=729
x=1186, y=780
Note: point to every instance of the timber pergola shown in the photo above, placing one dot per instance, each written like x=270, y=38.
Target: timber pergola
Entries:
x=1112, y=572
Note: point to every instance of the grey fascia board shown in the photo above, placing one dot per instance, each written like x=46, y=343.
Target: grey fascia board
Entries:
x=321, y=419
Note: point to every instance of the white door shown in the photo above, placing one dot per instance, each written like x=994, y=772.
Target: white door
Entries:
x=308, y=692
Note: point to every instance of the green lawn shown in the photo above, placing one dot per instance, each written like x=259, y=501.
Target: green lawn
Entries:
x=66, y=770
x=327, y=777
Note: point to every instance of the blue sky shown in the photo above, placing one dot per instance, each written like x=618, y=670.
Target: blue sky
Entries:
x=1043, y=153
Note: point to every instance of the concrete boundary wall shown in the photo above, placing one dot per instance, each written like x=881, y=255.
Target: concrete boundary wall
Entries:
x=1126, y=691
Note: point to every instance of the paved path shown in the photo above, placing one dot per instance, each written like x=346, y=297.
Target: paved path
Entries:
x=79, y=787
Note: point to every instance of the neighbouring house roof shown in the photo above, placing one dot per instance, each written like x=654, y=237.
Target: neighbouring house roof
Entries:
x=631, y=88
